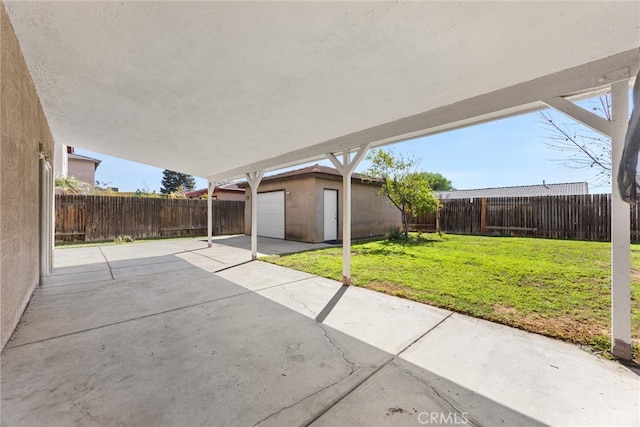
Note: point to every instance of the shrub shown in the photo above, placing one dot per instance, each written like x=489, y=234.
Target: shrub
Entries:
x=123, y=239
x=394, y=233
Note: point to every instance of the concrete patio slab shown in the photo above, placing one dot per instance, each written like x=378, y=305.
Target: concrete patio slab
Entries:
x=225, y=255
x=197, y=259
x=381, y=320
x=77, y=276
x=267, y=245
x=234, y=361
x=260, y=275
x=399, y=395
x=159, y=265
x=63, y=310
x=83, y=268
x=77, y=257
x=307, y=296
x=539, y=377
x=244, y=347
x=146, y=249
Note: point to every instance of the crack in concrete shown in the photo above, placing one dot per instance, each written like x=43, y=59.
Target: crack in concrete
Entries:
x=386, y=363
x=354, y=365
x=107, y=261
x=437, y=393
x=292, y=296
x=353, y=368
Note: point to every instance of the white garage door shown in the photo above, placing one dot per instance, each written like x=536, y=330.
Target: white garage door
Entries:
x=271, y=214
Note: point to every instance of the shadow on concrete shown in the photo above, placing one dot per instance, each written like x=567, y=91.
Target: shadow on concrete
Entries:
x=331, y=304
x=187, y=347
x=267, y=245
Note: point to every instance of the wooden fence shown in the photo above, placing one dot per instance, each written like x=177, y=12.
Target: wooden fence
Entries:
x=583, y=217
x=100, y=218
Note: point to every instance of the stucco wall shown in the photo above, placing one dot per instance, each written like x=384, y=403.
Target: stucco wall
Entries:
x=83, y=170
x=60, y=161
x=237, y=196
x=371, y=214
x=22, y=129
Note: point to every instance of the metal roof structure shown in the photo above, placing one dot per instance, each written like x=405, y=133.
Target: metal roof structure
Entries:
x=561, y=189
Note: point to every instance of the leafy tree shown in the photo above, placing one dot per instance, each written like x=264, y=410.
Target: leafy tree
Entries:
x=407, y=190
x=436, y=181
x=172, y=181
x=582, y=148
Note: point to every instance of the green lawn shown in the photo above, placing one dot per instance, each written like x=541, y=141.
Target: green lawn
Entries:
x=558, y=288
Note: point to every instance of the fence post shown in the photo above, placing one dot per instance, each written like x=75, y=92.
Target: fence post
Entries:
x=483, y=216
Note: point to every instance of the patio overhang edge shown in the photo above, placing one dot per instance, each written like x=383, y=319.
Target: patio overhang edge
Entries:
x=574, y=83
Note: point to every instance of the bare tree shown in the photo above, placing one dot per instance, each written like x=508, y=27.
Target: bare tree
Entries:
x=582, y=148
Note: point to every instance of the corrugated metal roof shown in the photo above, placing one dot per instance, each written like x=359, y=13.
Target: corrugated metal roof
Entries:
x=563, y=189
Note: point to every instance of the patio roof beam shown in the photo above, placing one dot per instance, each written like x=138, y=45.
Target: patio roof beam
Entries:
x=581, y=115
x=254, y=179
x=346, y=168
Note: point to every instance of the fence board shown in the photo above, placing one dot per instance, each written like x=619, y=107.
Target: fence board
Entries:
x=581, y=217
x=101, y=218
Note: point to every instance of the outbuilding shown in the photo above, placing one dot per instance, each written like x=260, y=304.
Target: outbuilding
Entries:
x=306, y=205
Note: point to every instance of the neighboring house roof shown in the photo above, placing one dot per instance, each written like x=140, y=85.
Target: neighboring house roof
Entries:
x=85, y=158
x=229, y=188
x=565, y=189
x=316, y=170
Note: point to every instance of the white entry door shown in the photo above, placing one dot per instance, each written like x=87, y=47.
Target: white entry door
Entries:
x=330, y=215
x=271, y=214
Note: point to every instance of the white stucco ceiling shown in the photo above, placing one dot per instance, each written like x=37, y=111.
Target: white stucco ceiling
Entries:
x=221, y=88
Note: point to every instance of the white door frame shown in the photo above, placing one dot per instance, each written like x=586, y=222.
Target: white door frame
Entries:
x=332, y=195
x=47, y=214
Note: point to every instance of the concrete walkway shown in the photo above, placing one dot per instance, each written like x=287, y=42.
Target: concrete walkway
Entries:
x=173, y=333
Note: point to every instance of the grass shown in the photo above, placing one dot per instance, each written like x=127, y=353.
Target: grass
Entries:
x=557, y=288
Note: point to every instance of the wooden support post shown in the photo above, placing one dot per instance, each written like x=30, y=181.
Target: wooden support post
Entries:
x=254, y=179
x=346, y=168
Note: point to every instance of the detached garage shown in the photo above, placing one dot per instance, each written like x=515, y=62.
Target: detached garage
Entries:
x=306, y=205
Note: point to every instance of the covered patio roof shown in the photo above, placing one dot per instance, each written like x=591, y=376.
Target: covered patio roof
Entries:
x=218, y=89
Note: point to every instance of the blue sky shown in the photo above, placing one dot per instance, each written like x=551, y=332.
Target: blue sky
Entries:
x=507, y=152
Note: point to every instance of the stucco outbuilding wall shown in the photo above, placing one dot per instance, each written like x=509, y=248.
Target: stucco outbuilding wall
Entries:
x=371, y=214
x=23, y=127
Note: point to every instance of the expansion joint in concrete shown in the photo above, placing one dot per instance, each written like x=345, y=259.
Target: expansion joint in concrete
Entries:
x=423, y=335
x=130, y=320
